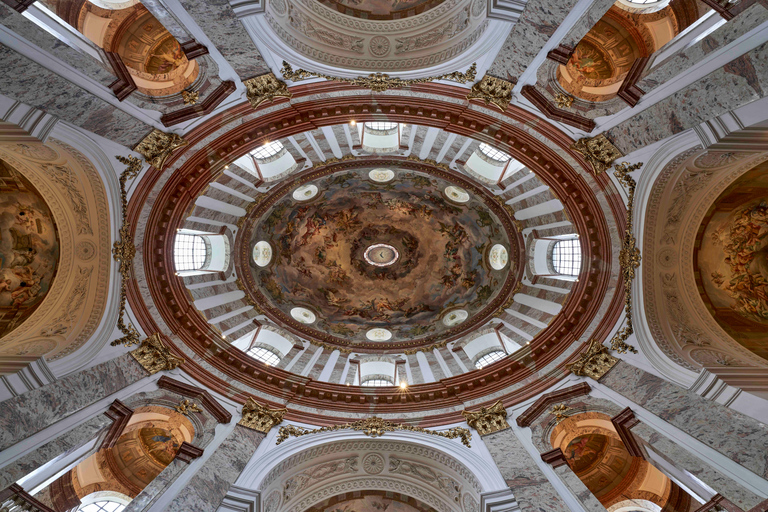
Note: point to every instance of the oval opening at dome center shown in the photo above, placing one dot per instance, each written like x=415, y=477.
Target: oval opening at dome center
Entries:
x=381, y=255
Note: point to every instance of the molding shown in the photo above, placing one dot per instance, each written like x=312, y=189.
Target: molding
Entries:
x=505, y=10
x=623, y=422
x=499, y=501
x=241, y=499
x=120, y=414
x=206, y=399
x=532, y=94
x=187, y=452
x=561, y=54
x=718, y=502
x=203, y=108
x=541, y=405
x=18, y=5
x=124, y=85
x=192, y=49
x=554, y=458
x=629, y=91
x=32, y=121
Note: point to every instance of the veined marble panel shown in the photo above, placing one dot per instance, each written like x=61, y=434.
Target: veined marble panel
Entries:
x=531, y=488
x=156, y=487
x=205, y=491
x=580, y=491
x=27, y=414
x=738, y=437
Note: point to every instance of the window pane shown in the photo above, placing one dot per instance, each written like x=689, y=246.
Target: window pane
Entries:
x=566, y=257
x=380, y=383
x=268, y=149
x=380, y=125
x=493, y=153
x=102, y=506
x=489, y=358
x=189, y=252
x=264, y=355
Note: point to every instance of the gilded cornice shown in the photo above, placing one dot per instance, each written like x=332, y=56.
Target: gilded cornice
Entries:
x=158, y=146
x=594, y=363
x=598, y=151
x=154, y=356
x=265, y=88
x=494, y=91
x=260, y=417
x=487, y=420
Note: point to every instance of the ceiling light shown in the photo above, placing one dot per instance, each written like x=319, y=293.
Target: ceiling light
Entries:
x=353, y=122
x=403, y=385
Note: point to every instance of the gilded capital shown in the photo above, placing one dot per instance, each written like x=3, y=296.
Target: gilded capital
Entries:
x=265, y=88
x=158, y=146
x=492, y=90
x=598, y=151
x=154, y=356
x=593, y=363
x=260, y=417
x=487, y=420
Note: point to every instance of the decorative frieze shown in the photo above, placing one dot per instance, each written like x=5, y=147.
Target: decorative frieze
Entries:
x=598, y=151
x=265, y=88
x=487, y=420
x=593, y=363
x=493, y=91
x=260, y=417
x=154, y=356
x=158, y=146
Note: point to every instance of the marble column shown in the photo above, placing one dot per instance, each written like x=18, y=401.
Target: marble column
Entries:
x=556, y=459
x=531, y=488
x=738, y=437
x=165, y=479
x=207, y=488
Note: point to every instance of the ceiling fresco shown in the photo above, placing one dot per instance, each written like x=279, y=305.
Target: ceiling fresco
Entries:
x=732, y=260
x=29, y=248
x=382, y=9
x=362, y=255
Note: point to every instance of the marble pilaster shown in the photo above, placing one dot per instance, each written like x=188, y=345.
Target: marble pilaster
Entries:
x=579, y=490
x=59, y=447
x=738, y=437
x=586, y=22
x=528, y=483
x=207, y=488
x=156, y=487
x=25, y=415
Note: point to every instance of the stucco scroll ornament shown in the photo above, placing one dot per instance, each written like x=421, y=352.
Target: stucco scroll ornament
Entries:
x=560, y=412
x=190, y=97
x=379, y=82
x=488, y=419
x=260, y=417
x=563, y=100
x=154, y=356
x=265, y=88
x=493, y=91
x=598, y=151
x=158, y=146
x=375, y=427
x=593, y=363
x=123, y=251
x=187, y=406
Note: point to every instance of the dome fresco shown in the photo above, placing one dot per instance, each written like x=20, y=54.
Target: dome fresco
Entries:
x=366, y=255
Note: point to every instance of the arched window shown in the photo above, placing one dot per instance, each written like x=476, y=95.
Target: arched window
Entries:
x=566, y=257
x=102, y=506
x=189, y=252
x=267, y=150
x=489, y=358
x=381, y=125
x=264, y=355
x=378, y=382
x=493, y=153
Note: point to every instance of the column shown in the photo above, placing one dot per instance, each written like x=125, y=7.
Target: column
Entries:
x=28, y=414
x=208, y=487
x=556, y=459
x=531, y=488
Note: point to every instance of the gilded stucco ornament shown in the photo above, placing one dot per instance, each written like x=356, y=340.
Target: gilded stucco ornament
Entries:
x=563, y=100
x=187, y=406
x=375, y=427
x=379, y=82
x=488, y=419
x=123, y=251
x=593, y=363
x=265, y=88
x=158, y=146
x=260, y=417
x=493, y=91
x=190, y=97
x=154, y=356
x=560, y=412
x=598, y=151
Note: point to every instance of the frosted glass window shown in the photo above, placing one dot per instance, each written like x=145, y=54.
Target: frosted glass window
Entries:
x=495, y=154
x=378, y=382
x=189, y=252
x=489, y=358
x=381, y=125
x=566, y=257
x=102, y=506
x=264, y=355
x=267, y=150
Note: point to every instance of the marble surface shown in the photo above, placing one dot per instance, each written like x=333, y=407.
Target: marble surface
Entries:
x=39, y=87
x=743, y=80
x=539, y=21
x=151, y=492
x=586, y=22
x=580, y=491
x=27, y=414
x=207, y=488
x=227, y=33
x=738, y=437
x=59, y=447
x=532, y=490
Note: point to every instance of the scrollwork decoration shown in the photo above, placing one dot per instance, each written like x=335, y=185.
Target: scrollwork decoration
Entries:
x=598, y=151
x=375, y=427
x=488, y=419
x=492, y=90
x=260, y=417
x=379, y=82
